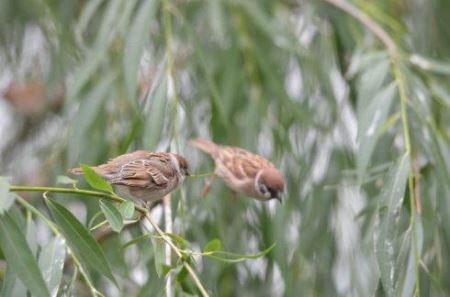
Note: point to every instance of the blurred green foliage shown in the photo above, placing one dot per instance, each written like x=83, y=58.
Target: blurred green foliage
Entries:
x=306, y=84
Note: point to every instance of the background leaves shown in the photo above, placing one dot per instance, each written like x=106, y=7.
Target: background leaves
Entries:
x=20, y=257
x=305, y=84
x=80, y=241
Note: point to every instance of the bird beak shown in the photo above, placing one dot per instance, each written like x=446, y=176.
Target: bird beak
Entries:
x=278, y=197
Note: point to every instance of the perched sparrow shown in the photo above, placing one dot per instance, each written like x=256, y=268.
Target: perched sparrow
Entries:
x=244, y=172
x=144, y=175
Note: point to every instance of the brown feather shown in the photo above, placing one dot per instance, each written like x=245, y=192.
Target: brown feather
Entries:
x=207, y=146
x=239, y=168
x=144, y=173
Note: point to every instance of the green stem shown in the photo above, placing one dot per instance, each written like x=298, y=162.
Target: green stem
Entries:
x=38, y=214
x=108, y=196
x=179, y=253
x=408, y=147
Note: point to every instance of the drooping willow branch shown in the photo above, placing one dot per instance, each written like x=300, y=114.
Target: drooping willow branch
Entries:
x=145, y=213
x=395, y=55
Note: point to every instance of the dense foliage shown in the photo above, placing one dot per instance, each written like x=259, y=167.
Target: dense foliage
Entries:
x=349, y=98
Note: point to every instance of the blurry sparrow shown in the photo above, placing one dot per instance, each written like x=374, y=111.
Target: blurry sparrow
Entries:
x=244, y=172
x=144, y=175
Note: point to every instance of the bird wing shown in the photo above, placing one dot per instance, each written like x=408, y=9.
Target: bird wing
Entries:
x=207, y=146
x=149, y=170
x=242, y=163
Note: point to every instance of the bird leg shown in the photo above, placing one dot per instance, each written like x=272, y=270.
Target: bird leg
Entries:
x=208, y=184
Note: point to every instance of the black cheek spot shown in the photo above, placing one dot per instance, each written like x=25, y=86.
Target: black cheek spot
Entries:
x=273, y=193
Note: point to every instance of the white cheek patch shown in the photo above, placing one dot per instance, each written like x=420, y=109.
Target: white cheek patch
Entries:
x=258, y=175
x=175, y=164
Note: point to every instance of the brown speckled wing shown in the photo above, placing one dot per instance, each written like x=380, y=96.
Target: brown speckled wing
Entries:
x=140, y=169
x=241, y=163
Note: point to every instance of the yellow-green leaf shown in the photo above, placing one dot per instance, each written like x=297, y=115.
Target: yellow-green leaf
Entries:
x=95, y=180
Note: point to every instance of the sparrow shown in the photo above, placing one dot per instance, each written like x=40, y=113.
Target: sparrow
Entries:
x=245, y=173
x=144, y=175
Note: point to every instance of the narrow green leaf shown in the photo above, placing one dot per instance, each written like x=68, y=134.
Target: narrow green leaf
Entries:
x=259, y=17
x=85, y=71
x=177, y=239
x=96, y=55
x=229, y=257
x=136, y=241
x=65, y=180
x=137, y=36
x=20, y=257
x=159, y=255
x=8, y=280
x=361, y=61
x=51, y=263
x=437, y=66
x=110, y=15
x=18, y=216
x=165, y=269
x=213, y=245
x=215, y=98
x=95, y=180
x=112, y=214
x=370, y=123
x=407, y=278
x=127, y=209
x=392, y=196
x=87, y=14
x=87, y=115
x=80, y=241
x=31, y=235
x=371, y=80
x=94, y=218
x=154, y=122
x=6, y=197
x=12, y=286
x=126, y=17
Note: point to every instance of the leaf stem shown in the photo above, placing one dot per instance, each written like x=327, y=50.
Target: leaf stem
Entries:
x=370, y=24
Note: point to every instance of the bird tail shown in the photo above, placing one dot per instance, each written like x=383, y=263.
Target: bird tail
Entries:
x=205, y=145
x=79, y=171
x=76, y=171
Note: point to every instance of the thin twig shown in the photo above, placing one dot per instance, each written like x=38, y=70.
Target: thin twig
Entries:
x=178, y=252
x=168, y=227
x=196, y=279
x=370, y=24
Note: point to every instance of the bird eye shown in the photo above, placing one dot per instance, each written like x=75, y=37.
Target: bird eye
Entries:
x=263, y=189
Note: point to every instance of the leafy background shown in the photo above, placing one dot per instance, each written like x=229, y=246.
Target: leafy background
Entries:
x=350, y=99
